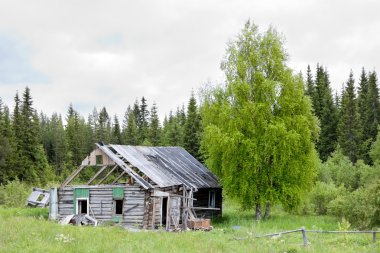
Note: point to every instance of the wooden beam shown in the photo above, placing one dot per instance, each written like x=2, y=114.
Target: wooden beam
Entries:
x=153, y=212
x=117, y=179
x=97, y=174
x=108, y=174
x=72, y=176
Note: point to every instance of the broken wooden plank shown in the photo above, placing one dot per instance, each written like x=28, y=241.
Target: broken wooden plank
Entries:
x=120, y=176
x=108, y=174
x=72, y=176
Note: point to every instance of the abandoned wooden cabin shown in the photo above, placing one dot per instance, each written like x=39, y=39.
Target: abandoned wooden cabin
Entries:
x=137, y=185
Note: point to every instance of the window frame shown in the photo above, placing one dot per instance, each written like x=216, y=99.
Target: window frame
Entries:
x=77, y=205
x=211, y=198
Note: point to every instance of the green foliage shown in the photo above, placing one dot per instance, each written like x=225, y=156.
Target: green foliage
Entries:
x=361, y=207
x=130, y=132
x=259, y=127
x=29, y=231
x=154, y=132
x=375, y=150
x=14, y=193
x=116, y=132
x=349, y=128
x=142, y=121
x=339, y=170
x=322, y=194
x=192, y=128
x=327, y=113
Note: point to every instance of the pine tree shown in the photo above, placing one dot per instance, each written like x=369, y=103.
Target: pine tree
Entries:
x=154, y=127
x=349, y=125
x=192, y=128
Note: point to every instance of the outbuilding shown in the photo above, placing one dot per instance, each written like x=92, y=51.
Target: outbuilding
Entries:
x=142, y=186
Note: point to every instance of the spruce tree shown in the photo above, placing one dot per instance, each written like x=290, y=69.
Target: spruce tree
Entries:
x=59, y=144
x=373, y=108
x=103, y=133
x=327, y=113
x=154, y=127
x=131, y=132
x=142, y=121
x=6, y=145
x=349, y=125
x=174, y=134
x=309, y=83
x=74, y=137
x=192, y=128
x=116, y=132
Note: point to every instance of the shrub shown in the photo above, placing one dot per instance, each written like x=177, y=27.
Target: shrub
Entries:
x=322, y=194
x=361, y=207
x=14, y=193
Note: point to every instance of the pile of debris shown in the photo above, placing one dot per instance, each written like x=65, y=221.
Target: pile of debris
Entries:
x=79, y=220
x=199, y=224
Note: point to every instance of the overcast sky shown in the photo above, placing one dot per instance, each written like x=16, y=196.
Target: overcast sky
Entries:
x=108, y=53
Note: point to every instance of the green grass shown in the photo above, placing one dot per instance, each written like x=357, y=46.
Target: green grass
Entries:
x=27, y=230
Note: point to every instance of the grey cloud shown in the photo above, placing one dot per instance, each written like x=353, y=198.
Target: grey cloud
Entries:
x=96, y=53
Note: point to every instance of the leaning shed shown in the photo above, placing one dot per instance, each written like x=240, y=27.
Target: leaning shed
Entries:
x=138, y=185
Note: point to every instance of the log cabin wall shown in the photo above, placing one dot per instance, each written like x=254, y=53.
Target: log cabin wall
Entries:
x=101, y=203
x=202, y=197
x=157, y=202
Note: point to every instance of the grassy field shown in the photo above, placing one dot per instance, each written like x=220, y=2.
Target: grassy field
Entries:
x=27, y=230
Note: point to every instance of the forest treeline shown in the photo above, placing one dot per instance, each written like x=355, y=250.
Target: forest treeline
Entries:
x=32, y=143
x=37, y=148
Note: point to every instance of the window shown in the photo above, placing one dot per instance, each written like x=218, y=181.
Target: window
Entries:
x=118, y=206
x=81, y=200
x=40, y=197
x=211, y=199
x=99, y=159
x=118, y=203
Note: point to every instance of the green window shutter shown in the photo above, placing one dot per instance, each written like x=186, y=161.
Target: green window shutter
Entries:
x=118, y=193
x=80, y=193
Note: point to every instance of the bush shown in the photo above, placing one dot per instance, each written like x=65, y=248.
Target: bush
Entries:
x=14, y=193
x=361, y=207
x=339, y=170
x=322, y=194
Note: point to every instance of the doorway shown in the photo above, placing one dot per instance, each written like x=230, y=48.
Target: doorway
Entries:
x=164, y=210
x=82, y=206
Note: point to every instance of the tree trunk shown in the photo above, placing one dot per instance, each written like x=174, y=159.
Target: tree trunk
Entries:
x=267, y=210
x=258, y=212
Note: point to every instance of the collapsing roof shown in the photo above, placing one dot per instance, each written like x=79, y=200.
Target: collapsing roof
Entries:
x=165, y=166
